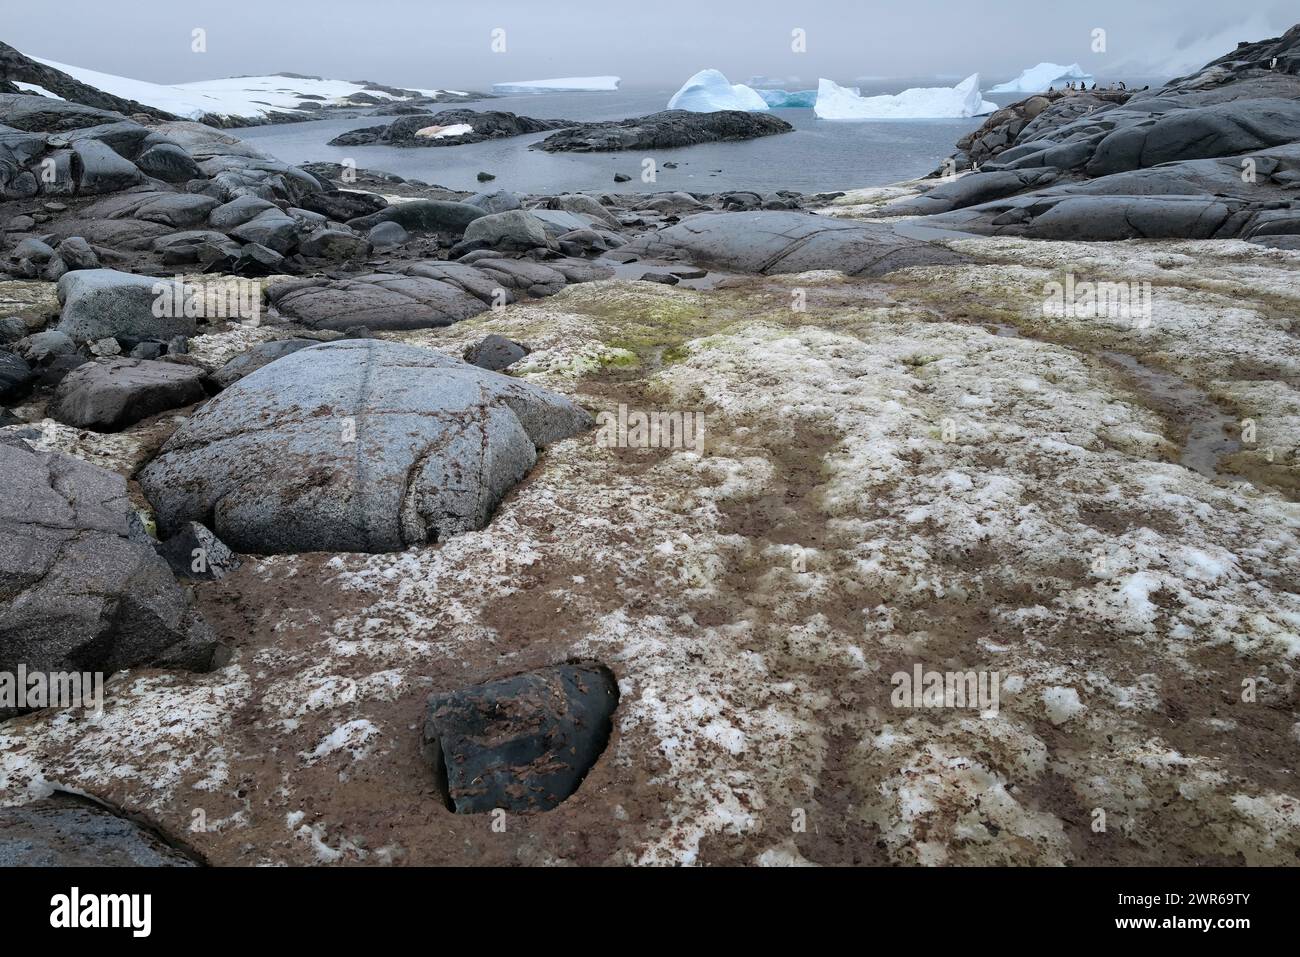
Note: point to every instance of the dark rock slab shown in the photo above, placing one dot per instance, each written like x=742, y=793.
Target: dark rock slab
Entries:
x=109, y=394
x=68, y=831
x=378, y=301
x=664, y=130
x=495, y=353
x=522, y=743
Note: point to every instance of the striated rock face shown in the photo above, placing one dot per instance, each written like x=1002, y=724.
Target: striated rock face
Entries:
x=774, y=242
x=664, y=130
x=357, y=445
x=81, y=588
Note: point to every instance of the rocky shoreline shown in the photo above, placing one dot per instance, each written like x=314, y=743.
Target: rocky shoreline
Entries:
x=315, y=464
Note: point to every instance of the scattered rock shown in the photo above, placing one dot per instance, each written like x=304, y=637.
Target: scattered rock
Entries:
x=195, y=553
x=105, y=302
x=109, y=394
x=522, y=743
x=495, y=353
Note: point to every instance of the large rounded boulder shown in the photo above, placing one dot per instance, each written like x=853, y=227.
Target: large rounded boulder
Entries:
x=356, y=445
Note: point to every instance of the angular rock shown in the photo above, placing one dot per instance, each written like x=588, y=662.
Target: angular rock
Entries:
x=238, y=211
x=495, y=353
x=258, y=356
x=355, y=445
x=334, y=242
x=105, y=302
x=522, y=743
x=110, y=394
x=196, y=554
x=271, y=228
x=81, y=588
x=76, y=253
x=15, y=375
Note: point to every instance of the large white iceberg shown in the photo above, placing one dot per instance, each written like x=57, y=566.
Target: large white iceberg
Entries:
x=709, y=91
x=835, y=102
x=564, y=84
x=240, y=96
x=1037, y=79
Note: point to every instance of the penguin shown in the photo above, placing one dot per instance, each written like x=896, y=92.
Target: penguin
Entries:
x=1122, y=86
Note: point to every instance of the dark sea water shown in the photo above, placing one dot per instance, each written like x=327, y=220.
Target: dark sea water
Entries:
x=818, y=155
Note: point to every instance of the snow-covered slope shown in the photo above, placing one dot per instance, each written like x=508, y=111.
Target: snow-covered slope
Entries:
x=564, y=84
x=242, y=96
x=1037, y=79
x=835, y=102
x=709, y=91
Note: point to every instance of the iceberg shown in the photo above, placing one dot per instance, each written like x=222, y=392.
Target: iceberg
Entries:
x=240, y=96
x=786, y=99
x=835, y=102
x=709, y=91
x=1037, y=79
x=564, y=84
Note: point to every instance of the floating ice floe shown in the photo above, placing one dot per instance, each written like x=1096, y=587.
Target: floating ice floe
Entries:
x=1037, y=79
x=789, y=99
x=239, y=96
x=835, y=102
x=564, y=84
x=709, y=91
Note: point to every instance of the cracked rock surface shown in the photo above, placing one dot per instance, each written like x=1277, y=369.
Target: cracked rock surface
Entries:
x=357, y=445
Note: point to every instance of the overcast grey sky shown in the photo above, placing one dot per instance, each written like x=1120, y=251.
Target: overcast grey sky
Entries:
x=448, y=44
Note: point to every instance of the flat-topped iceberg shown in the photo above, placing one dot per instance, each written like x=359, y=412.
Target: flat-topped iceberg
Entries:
x=709, y=91
x=564, y=84
x=1038, y=79
x=238, y=96
x=789, y=99
x=835, y=102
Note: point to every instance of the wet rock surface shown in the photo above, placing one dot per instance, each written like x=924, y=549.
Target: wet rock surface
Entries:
x=522, y=743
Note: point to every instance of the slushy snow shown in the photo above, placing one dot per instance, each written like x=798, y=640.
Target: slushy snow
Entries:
x=835, y=102
x=1037, y=79
x=709, y=91
x=564, y=84
x=240, y=96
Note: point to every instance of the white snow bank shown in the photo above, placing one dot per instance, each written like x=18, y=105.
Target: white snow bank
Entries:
x=709, y=91
x=1037, y=79
x=441, y=132
x=244, y=96
x=37, y=89
x=835, y=102
x=564, y=84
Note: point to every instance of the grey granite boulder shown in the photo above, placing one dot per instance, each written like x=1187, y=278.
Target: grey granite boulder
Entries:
x=270, y=228
x=497, y=201
x=514, y=231
x=15, y=375
x=45, y=115
x=261, y=354
x=76, y=253
x=81, y=588
x=384, y=235
x=98, y=303
x=423, y=216
x=69, y=831
x=102, y=169
x=495, y=353
x=110, y=394
x=378, y=301
x=194, y=553
x=522, y=275
x=772, y=242
x=169, y=163
x=334, y=242
x=238, y=211
x=355, y=445
x=521, y=743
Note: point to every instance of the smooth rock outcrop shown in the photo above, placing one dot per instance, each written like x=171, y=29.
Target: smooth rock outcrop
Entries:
x=355, y=445
x=772, y=242
x=98, y=303
x=378, y=301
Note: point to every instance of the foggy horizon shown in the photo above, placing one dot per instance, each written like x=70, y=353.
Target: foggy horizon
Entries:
x=416, y=45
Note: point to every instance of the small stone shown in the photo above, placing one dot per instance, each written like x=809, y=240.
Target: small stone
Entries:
x=484, y=177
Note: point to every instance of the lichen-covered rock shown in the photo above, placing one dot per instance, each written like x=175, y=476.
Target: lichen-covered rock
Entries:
x=355, y=445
